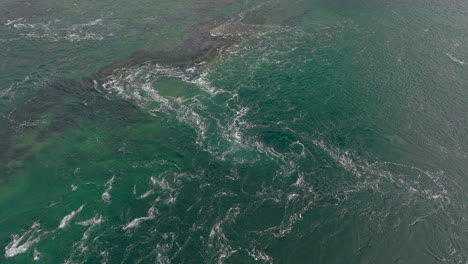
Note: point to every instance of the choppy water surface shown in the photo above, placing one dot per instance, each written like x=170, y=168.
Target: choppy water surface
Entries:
x=233, y=131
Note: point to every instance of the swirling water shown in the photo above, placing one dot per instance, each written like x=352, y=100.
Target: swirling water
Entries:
x=233, y=131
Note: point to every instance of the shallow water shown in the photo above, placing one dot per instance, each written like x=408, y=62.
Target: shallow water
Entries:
x=233, y=131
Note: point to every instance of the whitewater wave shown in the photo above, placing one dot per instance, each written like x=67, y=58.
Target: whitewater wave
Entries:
x=106, y=196
x=136, y=222
x=36, y=255
x=146, y=194
x=218, y=244
x=139, y=84
x=97, y=219
x=66, y=219
x=259, y=255
x=80, y=248
x=426, y=184
x=57, y=30
x=455, y=59
x=21, y=244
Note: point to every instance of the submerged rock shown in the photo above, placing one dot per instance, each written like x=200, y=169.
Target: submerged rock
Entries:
x=210, y=39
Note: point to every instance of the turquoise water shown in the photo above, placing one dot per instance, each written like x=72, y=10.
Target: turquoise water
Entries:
x=233, y=131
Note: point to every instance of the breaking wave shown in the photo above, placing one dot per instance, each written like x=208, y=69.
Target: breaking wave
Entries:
x=56, y=30
x=21, y=244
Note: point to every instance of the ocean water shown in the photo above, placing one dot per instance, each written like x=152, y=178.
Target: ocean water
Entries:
x=233, y=131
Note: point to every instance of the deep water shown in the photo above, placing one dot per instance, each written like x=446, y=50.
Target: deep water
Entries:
x=233, y=131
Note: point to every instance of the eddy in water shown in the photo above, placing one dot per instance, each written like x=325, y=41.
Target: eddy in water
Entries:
x=233, y=132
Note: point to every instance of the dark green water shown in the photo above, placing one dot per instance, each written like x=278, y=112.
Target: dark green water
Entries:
x=205, y=131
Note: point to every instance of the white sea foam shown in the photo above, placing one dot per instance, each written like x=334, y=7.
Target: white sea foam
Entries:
x=106, y=196
x=343, y=158
x=455, y=59
x=11, y=22
x=89, y=24
x=138, y=85
x=66, y=220
x=37, y=255
x=259, y=255
x=21, y=244
x=234, y=128
x=218, y=243
x=56, y=30
x=163, y=184
x=153, y=180
x=203, y=82
x=97, y=219
x=136, y=222
x=74, y=37
x=424, y=183
x=7, y=92
x=30, y=123
x=79, y=248
x=146, y=194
